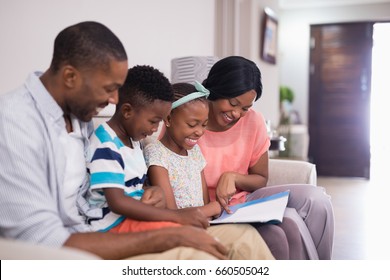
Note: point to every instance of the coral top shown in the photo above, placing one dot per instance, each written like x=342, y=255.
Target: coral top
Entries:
x=236, y=149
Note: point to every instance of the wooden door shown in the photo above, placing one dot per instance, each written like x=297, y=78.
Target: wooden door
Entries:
x=339, y=99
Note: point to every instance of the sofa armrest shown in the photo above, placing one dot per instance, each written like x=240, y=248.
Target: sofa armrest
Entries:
x=285, y=171
x=20, y=250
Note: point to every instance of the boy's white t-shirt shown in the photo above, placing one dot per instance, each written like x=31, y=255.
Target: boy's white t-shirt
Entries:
x=75, y=169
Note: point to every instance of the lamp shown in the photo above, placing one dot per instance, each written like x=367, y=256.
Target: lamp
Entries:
x=191, y=68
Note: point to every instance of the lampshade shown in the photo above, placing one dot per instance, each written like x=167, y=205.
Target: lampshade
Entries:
x=191, y=68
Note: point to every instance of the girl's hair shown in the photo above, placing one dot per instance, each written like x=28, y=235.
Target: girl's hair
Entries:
x=183, y=89
x=233, y=76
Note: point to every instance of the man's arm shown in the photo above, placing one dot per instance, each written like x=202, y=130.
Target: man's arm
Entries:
x=27, y=182
x=119, y=246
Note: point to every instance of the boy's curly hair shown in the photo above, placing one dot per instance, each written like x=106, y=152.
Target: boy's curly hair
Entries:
x=143, y=85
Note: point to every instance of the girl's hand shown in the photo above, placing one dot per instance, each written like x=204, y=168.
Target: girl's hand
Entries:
x=226, y=188
x=154, y=196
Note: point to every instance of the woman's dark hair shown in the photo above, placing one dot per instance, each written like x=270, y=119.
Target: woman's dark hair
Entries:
x=232, y=76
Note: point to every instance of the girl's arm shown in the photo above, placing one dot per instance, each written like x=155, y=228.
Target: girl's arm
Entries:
x=210, y=209
x=158, y=176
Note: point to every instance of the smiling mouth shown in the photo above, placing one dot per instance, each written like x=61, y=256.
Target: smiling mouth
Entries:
x=227, y=118
x=191, y=142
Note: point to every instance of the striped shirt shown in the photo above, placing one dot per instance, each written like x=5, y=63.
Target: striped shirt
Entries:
x=111, y=164
x=33, y=164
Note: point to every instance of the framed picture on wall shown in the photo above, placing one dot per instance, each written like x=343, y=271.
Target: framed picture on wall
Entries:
x=269, y=36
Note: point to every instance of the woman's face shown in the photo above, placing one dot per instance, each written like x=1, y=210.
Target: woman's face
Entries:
x=225, y=113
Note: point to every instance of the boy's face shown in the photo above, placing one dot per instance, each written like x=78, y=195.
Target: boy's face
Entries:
x=187, y=123
x=145, y=121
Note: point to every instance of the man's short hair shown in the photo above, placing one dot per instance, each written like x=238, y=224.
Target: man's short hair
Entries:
x=86, y=45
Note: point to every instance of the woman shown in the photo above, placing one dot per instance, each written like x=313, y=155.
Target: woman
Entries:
x=235, y=146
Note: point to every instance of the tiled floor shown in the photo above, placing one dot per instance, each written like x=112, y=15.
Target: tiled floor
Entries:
x=361, y=217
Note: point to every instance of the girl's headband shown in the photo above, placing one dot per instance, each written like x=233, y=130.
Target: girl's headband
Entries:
x=201, y=92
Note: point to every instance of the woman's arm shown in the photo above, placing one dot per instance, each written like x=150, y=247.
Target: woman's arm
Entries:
x=256, y=178
x=257, y=175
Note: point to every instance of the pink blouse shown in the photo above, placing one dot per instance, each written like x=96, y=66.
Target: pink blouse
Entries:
x=236, y=149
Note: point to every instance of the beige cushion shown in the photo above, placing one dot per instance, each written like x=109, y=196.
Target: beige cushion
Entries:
x=284, y=171
x=19, y=250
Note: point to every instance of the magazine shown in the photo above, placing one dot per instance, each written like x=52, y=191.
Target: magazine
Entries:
x=268, y=209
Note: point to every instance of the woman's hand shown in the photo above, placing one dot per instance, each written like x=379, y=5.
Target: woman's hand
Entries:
x=154, y=196
x=226, y=188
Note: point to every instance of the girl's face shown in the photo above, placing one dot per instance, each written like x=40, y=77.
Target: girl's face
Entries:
x=144, y=121
x=185, y=125
x=225, y=113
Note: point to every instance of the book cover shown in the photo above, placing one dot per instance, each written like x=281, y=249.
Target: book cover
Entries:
x=268, y=209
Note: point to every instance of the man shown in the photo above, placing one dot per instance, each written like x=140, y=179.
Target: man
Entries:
x=44, y=130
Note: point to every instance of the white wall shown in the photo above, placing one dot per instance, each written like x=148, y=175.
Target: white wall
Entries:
x=152, y=31
x=268, y=104
x=294, y=42
x=238, y=30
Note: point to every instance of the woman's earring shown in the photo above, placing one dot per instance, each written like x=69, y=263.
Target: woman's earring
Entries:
x=167, y=125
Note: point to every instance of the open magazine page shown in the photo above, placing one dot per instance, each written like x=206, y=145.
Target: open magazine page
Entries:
x=268, y=209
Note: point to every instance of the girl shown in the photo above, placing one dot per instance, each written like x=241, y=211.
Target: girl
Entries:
x=175, y=162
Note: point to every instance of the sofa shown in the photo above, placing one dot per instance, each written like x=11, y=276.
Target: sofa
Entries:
x=281, y=171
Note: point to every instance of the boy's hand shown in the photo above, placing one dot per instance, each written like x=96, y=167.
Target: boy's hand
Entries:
x=192, y=216
x=154, y=196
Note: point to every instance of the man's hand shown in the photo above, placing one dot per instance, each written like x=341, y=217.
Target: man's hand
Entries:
x=199, y=239
x=154, y=196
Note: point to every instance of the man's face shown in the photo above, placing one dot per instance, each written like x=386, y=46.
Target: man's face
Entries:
x=96, y=89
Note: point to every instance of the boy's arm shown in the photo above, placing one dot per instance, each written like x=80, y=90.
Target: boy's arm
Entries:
x=134, y=209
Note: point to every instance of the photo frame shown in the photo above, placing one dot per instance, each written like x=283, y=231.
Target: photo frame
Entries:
x=269, y=36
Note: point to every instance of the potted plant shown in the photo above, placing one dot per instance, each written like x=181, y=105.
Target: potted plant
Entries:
x=286, y=98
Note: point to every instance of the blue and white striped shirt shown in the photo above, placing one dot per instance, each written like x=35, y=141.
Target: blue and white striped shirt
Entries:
x=111, y=164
